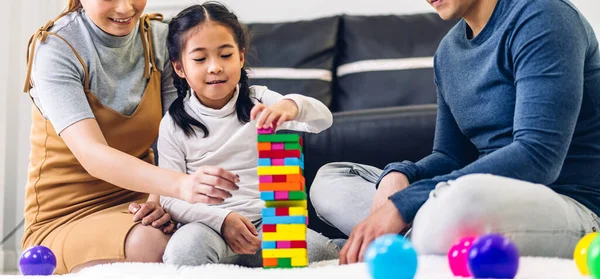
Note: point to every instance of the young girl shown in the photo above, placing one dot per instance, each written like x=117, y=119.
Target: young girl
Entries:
x=99, y=78
x=214, y=128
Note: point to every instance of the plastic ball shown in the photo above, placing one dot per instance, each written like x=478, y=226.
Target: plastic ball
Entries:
x=581, y=251
x=457, y=257
x=37, y=260
x=391, y=256
x=493, y=256
x=593, y=258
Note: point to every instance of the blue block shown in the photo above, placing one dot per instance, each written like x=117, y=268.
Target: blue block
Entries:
x=284, y=220
x=268, y=212
x=264, y=162
x=269, y=244
x=267, y=196
x=293, y=162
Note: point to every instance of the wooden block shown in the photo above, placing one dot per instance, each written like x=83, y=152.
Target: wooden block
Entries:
x=279, y=178
x=279, y=170
x=264, y=162
x=294, y=178
x=284, y=236
x=283, y=244
x=265, y=131
x=297, y=211
x=292, y=162
x=292, y=186
x=278, y=162
x=270, y=262
x=270, y=245
x=284, y=262
x=298, y=244
x=281, y=195
x=294, y=195
x=299, y=261
x=269, y=228
x=267, y=196
x=279, y=138
x=264, y=146
x=291, y=146
x=282, y=211
x=265, y=179
x=300, y=203
x=279, y=153
x=268, y=212
x=284, y=220
x=290, y=228
x=277, y=146
x=284, y=253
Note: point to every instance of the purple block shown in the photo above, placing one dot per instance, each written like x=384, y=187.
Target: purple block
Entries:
x=277, y=162
x=263, y=131
x=277, y=146
x=281, y=195
x=265, y=179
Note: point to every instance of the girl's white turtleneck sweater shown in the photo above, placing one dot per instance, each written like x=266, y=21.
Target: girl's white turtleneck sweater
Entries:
x=231, y=146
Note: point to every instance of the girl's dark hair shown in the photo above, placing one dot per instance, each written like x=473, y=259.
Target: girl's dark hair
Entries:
x=178, y=33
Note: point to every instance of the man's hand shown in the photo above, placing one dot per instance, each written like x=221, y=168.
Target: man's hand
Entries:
x=384, y=220
x=240, y=234
x=151, y=213
x=389, y=185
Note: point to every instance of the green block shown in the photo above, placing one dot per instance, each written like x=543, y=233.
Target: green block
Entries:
x=292, y=146
x=288, y=138
x=297, y=195
x=284, y=262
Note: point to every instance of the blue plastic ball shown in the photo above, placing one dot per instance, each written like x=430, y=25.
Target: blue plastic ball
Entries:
x=391, y=256
x=493, y=256
x=37, y=260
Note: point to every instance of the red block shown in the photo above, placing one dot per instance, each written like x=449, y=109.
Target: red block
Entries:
x=298, y=244
x=279, y=153
x=269, y=228
x=279, y=178
x=282, y=211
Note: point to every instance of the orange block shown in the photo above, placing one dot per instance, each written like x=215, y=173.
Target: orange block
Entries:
x=295, y=178
x=264, y=146
x=269, y=262
x=281, y=186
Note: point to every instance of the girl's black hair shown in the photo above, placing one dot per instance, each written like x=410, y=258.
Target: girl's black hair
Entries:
x=178, y=30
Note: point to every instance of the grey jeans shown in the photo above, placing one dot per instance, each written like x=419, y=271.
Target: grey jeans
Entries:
x=198, y=244
x=540, y=221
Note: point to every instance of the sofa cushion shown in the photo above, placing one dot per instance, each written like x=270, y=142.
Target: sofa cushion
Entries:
x=294, y=57
x=387, y=60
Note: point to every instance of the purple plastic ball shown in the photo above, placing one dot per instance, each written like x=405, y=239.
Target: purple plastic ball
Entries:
x=493, y=256
x=37, y=260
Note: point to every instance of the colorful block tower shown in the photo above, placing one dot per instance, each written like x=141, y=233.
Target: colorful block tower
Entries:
x=285, y=216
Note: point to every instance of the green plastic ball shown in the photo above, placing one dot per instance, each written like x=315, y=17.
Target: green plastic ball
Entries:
x=593, y=258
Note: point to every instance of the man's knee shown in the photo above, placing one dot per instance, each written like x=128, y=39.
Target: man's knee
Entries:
x=194, y=244
x=320, y=248
x=145, y=244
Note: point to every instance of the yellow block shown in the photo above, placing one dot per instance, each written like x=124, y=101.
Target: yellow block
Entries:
x=284, y=236
x=300, y=261
x=279, y=170
x=291, y=228
x=285, y=253
x=298, y=211
x=297, y=203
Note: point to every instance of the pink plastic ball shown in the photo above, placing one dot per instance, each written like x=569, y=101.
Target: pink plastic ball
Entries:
x=458, y=255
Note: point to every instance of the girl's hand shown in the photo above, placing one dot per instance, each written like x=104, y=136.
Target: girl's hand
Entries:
x=240, y=234
x=151, y=213
x=208, y=184
x=274, y=115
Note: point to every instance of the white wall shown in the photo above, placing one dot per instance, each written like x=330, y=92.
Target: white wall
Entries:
x=22, y=17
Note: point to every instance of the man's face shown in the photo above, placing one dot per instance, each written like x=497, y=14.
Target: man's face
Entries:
x=452, y=9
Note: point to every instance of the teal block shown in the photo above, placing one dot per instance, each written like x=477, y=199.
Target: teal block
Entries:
x=268, y=212
x=267, y=196
x=264, y=162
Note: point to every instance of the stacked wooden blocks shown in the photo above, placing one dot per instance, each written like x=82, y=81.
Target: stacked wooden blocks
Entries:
x=285, y=216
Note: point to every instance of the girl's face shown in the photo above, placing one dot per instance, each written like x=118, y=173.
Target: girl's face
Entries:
x=115, y=17
x=211, y=62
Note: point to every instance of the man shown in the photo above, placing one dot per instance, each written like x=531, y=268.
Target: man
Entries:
x=517, y=140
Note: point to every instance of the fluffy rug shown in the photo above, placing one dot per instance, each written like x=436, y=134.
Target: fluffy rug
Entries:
x=430, y=267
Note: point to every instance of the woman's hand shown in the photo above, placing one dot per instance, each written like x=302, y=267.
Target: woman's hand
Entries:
x=209, y=184
x=275, y=115
x=240, y=234
x=151, y=213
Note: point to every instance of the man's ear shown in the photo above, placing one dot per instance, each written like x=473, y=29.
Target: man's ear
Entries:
x=178, y=67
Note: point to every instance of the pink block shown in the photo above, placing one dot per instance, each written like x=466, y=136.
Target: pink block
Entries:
x=265, y=179
x=284, y=244
x=282, y=195
x=277, y=146
x=277, y=162
x=264, y=131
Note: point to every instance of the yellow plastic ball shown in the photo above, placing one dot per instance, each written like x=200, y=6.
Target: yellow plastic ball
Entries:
x=581, y=250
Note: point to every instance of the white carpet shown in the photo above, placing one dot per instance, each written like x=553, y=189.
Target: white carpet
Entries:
x=430, y=267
